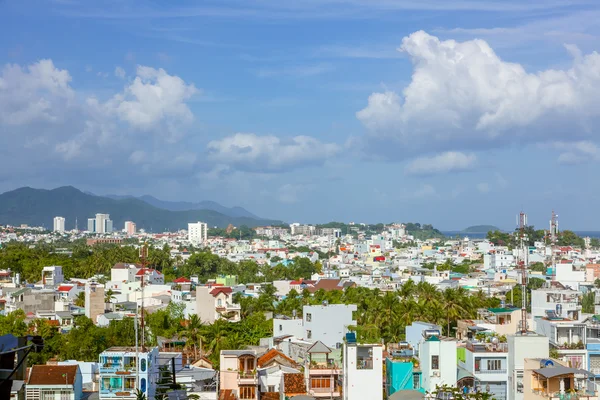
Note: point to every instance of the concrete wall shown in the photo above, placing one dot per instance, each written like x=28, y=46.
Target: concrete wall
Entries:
x=329, y=323
x=288, y=327
x=446, y=374
x=366, y=382
x=205, y=305
x=414, y=333
x=521, y=347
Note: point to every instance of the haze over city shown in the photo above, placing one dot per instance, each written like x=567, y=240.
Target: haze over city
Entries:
x=449, y=113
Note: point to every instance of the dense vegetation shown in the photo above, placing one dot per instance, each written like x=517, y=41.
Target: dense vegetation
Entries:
x=480, y=229
x=532, y=235
x=38, y=207
x=86, y=262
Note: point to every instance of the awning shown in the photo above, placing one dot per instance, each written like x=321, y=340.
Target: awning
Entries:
x=553, y=372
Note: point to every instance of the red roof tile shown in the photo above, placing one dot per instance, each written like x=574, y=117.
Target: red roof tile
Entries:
x=182, y=279
x=222, y=289
x=52, y=374
x=271, y=355
x=64, y=288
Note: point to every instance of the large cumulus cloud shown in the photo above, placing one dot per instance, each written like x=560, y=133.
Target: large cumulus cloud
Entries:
x=462, y=95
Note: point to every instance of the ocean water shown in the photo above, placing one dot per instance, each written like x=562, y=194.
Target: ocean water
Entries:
x=452, y=234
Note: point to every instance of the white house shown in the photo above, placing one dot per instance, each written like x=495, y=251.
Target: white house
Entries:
x=363, y=371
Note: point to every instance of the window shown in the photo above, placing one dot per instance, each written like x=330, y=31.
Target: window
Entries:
x=416, y=381
x=435, y=362
x=143, y=385
x=130, y=383
x=247, y=392
x=271, y=389
x=143, y=365
x=320, y=383
x=494, y=365
x=220, y=303
x=308, y=317
x=280, y=328
x=309, y=334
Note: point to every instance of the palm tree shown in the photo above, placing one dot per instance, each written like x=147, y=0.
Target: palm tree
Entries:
x=453, y=302
x=109, y=295
x=193, y=334
x=80, y=299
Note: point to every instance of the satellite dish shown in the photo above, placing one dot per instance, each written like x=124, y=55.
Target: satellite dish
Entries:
x=495, y=340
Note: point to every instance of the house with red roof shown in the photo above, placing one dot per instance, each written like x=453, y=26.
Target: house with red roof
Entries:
x=216, y=302
x=150, y=276
x=54, y=381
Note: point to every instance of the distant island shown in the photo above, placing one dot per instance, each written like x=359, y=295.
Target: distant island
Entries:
x=481, y=229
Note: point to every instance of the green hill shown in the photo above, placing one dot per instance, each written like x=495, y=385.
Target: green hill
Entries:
x=38, y=207
x=481, y=229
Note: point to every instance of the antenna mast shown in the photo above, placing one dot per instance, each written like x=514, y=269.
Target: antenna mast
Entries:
x=522, y=222
x=553, y=238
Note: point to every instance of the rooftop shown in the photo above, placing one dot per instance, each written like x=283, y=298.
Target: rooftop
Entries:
x=52, y=374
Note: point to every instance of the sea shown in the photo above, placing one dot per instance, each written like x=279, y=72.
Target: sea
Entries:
x=452, y=234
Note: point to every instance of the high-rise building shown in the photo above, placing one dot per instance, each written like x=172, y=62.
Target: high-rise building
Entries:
x=101, y=222
x=108, y=226
x=130, y=228
x=59, y=224
x=197, y=233
x=91, y=226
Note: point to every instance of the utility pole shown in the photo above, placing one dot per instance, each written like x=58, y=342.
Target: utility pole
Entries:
x=143, y=255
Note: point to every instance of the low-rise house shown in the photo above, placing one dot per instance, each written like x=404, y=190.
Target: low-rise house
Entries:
x=483, y=365
x=322, y=372
x=549, y=379
x=119, y=367
x=215, y=303
x=363, y=370
x=54, y=382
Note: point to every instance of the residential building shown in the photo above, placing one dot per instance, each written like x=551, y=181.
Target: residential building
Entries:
x=103, y=223
x=62, y=382
x=91, y=225
x=238, y=373
x=120, y=368
x=520, y=347
x=213, y=303
x=123, y=272
x=59, y=224
x=561, y=302
x=322, y=372
x=438, y=358
x=130, y=228
x=285, y=326
x=483, y=366
x=197, y=233
x=568, y=337
x=363, y=370
x=549, y=379
x=328, y=323
x=94, y=301
x=402, y=369
x=414, y=333
x=30, y=300
x=52, y=275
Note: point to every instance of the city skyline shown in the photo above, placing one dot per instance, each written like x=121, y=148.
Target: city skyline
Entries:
x=433, y=112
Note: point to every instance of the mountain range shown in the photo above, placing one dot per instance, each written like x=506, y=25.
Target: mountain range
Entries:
x=186, y=205
x=38, y=207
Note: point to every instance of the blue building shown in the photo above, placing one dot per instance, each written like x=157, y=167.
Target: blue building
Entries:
x=402, y=374
x=123, y=371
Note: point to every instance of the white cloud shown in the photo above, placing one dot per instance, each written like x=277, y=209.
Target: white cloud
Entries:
x=576, y=152
x=483, y=187
x=251, y=152
x=450, y=161
x=462, y=95
x=119, y=72
x=154, y=96
x=39, y=92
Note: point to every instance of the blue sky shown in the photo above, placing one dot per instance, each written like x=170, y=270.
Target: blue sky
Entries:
x=453, y=113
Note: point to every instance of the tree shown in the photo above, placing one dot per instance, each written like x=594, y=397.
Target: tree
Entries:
x=109, y=295
x=193, y=334
x=594, y=243
x=80, y=299
x=588, y=302
x=538, y=267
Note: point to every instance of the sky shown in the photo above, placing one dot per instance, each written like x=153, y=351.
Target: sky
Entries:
x=453, y=113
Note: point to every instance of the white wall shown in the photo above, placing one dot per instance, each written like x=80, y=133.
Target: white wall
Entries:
x=519, y=348
x=329, y=323
x=292, y=327
x=446, y=374
x=360, y=384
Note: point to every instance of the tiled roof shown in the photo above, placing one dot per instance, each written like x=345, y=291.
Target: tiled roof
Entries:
x=52, y=374
x=326, y=284
x=221, y=289
x=182, y=279
x=319, y=347
x=64, y=288
x=271, y=355
x=294, y=384
x=227, y=394
x=146, y=271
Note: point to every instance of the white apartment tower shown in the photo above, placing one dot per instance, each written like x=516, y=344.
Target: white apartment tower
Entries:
x=197, y=233
x=59, y=224
x=103, y=223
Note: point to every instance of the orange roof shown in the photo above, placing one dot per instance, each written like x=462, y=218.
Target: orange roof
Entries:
x=270, y=355
x=52, y=374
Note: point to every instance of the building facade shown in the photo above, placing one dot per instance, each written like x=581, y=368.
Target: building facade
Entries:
x=197, y=233
x=363, y=370
x=59, y=224
x=123, y=370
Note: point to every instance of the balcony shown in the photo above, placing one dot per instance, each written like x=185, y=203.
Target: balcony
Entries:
x=491, y=371
x=325, y=392
x=247, y=378
x=582, y=395
x=324, y=369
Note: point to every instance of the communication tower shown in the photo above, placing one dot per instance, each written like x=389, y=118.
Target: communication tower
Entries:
x=522, y=263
